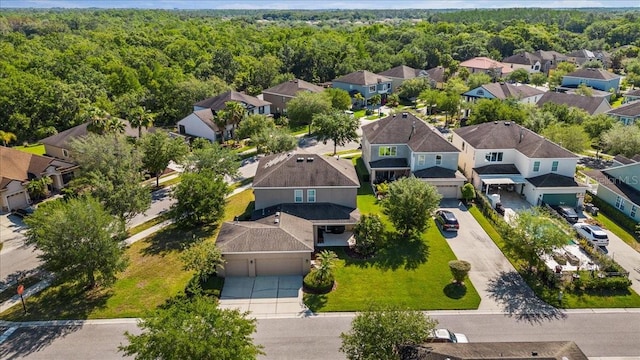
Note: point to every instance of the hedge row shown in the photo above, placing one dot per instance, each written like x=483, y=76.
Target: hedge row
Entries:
x=614, y=214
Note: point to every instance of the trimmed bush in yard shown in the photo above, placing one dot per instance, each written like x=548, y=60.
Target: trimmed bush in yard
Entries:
x=459, y=270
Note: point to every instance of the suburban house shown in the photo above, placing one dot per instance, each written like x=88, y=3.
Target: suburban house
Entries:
x=592, y=105
x=280, y=94
x=631, y=95
x=493, y=68
x=595, y=78
x=628, y=113
x=619, y=186
x=58, y=145
x=403, y=145
x=365, y=83
x=19, y=167
x=524, y=94
x=401, y=73
x=200, y=123
x=539, y=61
x=300, y=199
x=547, y=350
x=506, y=155
x=252, y=104
x=437, y=77
x=580, y=57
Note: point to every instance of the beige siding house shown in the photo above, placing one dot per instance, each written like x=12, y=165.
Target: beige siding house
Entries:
x=281, y=94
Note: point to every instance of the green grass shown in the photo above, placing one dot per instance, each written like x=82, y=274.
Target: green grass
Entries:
x=571, y=299
x=617, y=102
x=617, y=230
x=298, y=129
x=37, y=149
x=146, y=225
x=359, y=113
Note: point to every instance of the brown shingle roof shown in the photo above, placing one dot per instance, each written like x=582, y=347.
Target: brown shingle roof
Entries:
x=295, y=170
x=292, y=87
x=401, y=72
x=407, y=129
x=62, y=139
x=503, y=91
x=218, y=102
x=523, y=58
x=17, y=165
x=597, y=74
x=635, y=92
x=628, y=109
x=543, y=350
x=499, y=135
x=362, y=77
x=290, y=233
x=206, y=115
x=586, y=103
x=436, y=74
x=550, y=55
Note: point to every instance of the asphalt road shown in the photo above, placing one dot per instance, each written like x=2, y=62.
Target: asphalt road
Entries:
x=599, y=334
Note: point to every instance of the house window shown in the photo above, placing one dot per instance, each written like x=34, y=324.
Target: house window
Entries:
x=388, y=86
x=65, y=153
x=480, y=92
x=536, y=166
x=493, y=156
x=438, y=159
x=422, y=159
x=554, y=166
x=311, y=195
x=261, y=110
x=463, y=145
x=620, y=203
x=387, y=151
x=297, y=196
x=372, y=88
x=633, y=211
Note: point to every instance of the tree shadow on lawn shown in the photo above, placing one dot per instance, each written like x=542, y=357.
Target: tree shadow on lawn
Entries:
x=519, y=301
x=399, y=252
x=61, y=301
x=175, y=238
x=29, y=340
x=455, y=291
x=315, y=302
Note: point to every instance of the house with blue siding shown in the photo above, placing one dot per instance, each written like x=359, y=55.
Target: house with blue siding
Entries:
x=627, y=114
x=402, y=145
x=366, y=83
x=619, y=186
x=595, y=78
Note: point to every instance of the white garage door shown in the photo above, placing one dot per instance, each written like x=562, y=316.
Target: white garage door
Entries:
x=238, y=267
x=449, y=191
x=284, y=266
x=17, y=201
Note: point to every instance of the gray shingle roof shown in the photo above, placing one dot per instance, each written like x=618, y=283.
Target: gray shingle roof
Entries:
x=289, y=234
x=362, y=77
x=436, y=172
x=295, y=170
x=315, y=213
x=436, y=74
x=552, y=180
x=497, y=169
x=545, y=350
x=615, y=185
x=401, y=72
x=389, y=163
x=399, y=129
x=503, y=91
x=523, y=58
x=62, y=139
x=597, y=74
x=628, y=109
x=586, y=103
x=206, y=115
x=218, y=102
x=292, y=87
x=499, y=135
x=635, y=92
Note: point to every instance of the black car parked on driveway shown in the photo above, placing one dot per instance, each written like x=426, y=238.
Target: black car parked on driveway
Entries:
x=447, y=220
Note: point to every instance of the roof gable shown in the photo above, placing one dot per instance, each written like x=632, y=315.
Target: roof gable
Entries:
x=292, y=87
x=586, y=103
x=218, y=102
x=406, y=129
x=482, y=63
x=436, y=74
x=401, y=72
x=509, y=135
x=362, y=77
x=304, y=170
x=22, y=166
x=628, y=109
x=63, y=138
x=503, y=91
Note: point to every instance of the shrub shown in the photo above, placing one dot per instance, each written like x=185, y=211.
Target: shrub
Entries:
x=618, y=283
x=316, y=284
x=368, y=112
x=459, y=269
x=616, y=215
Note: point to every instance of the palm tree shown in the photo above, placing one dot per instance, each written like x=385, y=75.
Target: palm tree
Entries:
x=221, y=119
x=99, y=120
x=115, y=126
x=7, y=137
x=235, y=112
x=359, y=98
x=326, y=261
x=141, y=118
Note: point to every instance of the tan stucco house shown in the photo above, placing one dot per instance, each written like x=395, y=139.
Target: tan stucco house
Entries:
x=299, y=197
x=282, y=93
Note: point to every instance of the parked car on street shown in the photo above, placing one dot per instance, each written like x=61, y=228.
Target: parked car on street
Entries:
x=567, y=212
x=446, y=336
x=447, y=220
x=592, y=233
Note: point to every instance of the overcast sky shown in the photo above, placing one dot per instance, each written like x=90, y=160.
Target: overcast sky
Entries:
x=310, y=4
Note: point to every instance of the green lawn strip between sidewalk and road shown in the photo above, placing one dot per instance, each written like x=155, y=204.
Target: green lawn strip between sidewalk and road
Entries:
x=570, y=300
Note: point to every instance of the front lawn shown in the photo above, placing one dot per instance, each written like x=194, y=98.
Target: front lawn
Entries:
x=611, y=225
x=570, y=299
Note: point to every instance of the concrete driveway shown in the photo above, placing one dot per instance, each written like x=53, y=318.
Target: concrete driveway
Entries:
x=264, y=296
x=472, y=244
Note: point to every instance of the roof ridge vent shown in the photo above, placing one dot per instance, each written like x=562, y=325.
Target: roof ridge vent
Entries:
x=405, y=115
x=507, y=123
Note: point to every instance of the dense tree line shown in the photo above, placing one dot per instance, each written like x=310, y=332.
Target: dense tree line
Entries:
x=56, y=66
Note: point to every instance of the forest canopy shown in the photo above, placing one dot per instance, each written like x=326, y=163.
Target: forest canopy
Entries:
x=58, y=65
